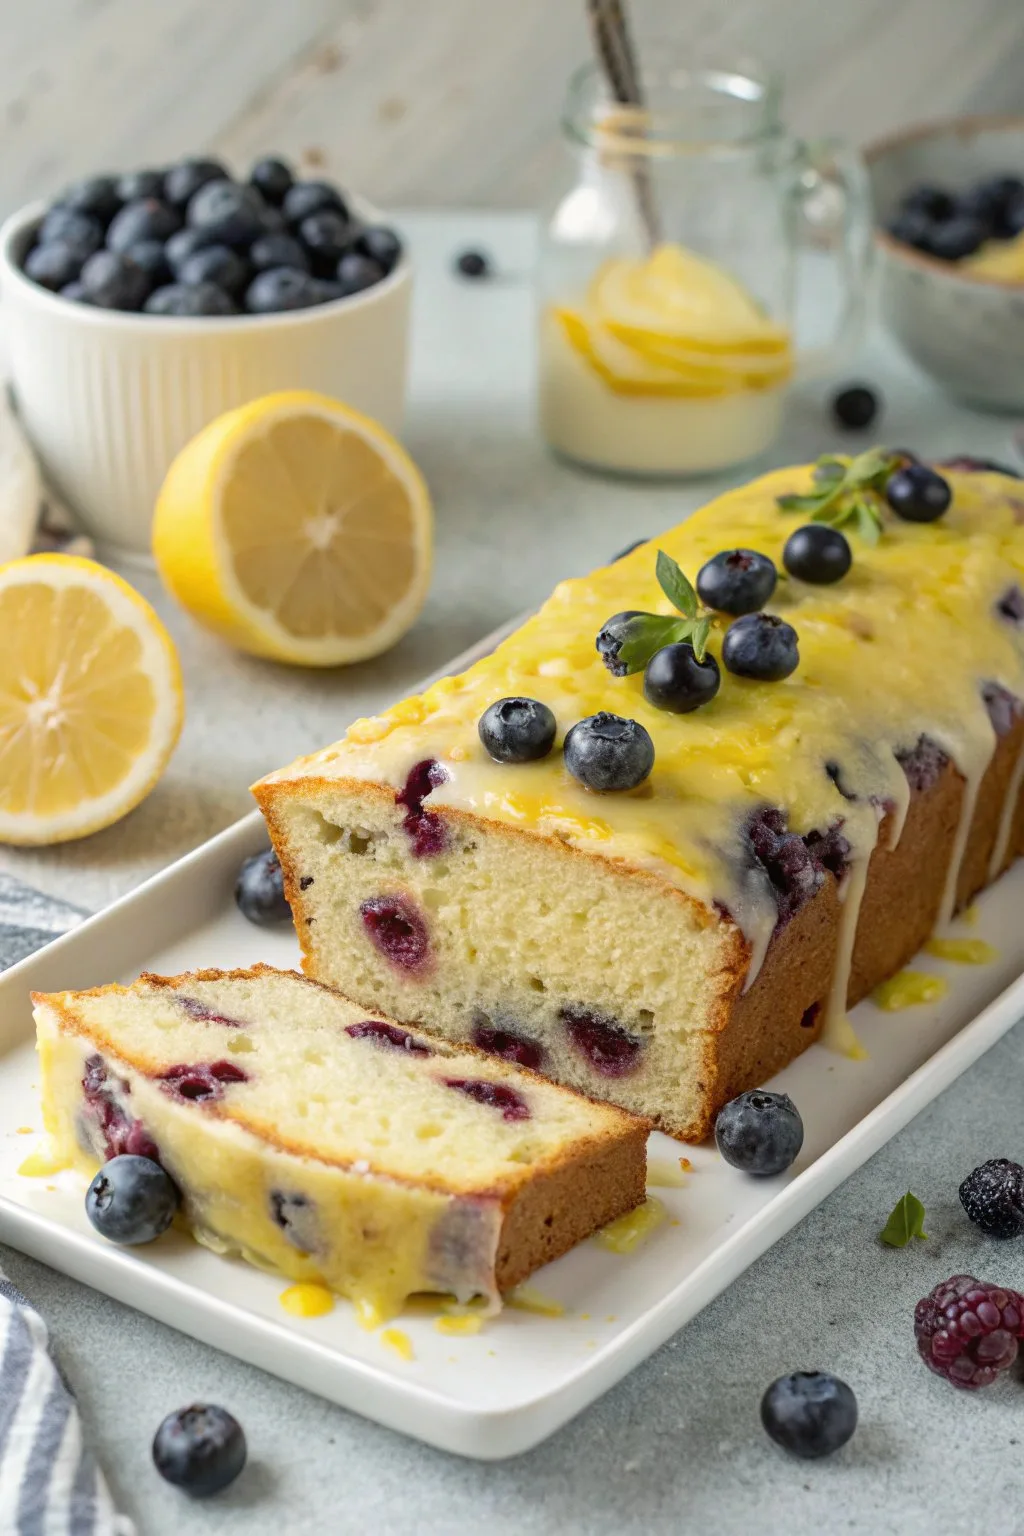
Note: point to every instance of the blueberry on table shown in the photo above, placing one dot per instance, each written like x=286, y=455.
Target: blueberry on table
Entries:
x=381, y=244
x=759, y=1132
x=147, y=219
x=259, y=890
x=272, y=179
x=53, y=265
x=112, y=281
x=855, y=407
x=993, y=1197
x=761, y=646
x=817, y=554
x=918, y=494
x=215, y=264
x=131, y=1200
x=309, y=197
x=281, y=288
x=188, y=301
x=605, y=752
x=957, y=238
x=228, y=213
x=77, y=231
x=200, y=1449
x=517, y=730
x=135, y=184
x=810, y=1414
x=327, y=236
x=151, y=256
x=736, y=581
x=183, y=181
x=356, y=273
x=96, y=195
x=676, y=681
x=472, y=264
x=279, y=250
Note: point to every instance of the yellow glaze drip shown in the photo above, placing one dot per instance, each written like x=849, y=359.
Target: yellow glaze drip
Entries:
x=465, y=1324
x=395, y=1339
x=40, y=1165
x=970, y=914
x=629, y=1231
x=307, y=1299
x=664, y=1173
x=963, y=951
x=907, y=989
x=369, y=1315
x=526, y=1299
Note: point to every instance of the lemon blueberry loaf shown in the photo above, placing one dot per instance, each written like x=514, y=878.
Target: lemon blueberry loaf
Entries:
x=328, y=1145
x=656, y=872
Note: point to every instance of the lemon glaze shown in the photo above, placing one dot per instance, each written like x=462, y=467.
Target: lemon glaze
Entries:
x=626, y=1233
x=908, y=989
x=899, y=649
x=963, y=951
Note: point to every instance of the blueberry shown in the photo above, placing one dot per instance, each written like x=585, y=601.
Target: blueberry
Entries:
x=1015, y=217
x=190, y=300
x=855, y=407
x=112, y=281
x=736, y=581
x=610, y=638
x=272, y=178
x=308, y=197
x=259, y=890
x=215, y=264
x=185, y=244
x=381, y=244
x=183, y=181
x=913, y=228
x=131, y=1200
x=810, y=1413
x=136, y=184
x=918, y=494
x=151, y=256
x=77, y=231
x=956, y=239
x=327, y=291
x=606, y=752
x=200, y=1449
x=227, y=212
x=817, y=554
x=277, y=251
x=473, y=264
x=759, y=1132
x=272, y=220
x=355, y=273
x=148, y=219
x=53, y=265
x=281, y=288
x=933, y=202
x=327, y=236
x=675, y=680
x=96, y=196
x=762, y=646
x=76, y=293
x=517, y=730
x=989, y=202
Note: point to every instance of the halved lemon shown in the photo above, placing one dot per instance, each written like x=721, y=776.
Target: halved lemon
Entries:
x=90, y=699
x=296, y=528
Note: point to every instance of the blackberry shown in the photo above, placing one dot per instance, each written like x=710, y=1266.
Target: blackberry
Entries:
x=993, y=1197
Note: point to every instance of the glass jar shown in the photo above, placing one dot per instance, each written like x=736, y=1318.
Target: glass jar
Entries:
x=668, y=271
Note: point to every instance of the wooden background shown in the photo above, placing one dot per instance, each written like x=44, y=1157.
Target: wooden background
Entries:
x=443, y=102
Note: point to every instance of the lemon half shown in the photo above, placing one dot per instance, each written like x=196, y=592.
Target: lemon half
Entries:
x=296, y=528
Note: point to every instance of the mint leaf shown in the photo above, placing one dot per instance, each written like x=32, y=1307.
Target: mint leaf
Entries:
x=647, y=633
x=869, y=523
x=905, y=1222
x=675, y=585
x=828, y=469
x=699, y=637
x=800, y=503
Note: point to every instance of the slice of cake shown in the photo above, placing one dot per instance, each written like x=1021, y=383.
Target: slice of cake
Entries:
x=328, y=1145
x=731, y=851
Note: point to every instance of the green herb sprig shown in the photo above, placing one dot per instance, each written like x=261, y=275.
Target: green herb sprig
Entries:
x=848, y=491
x=905, y=1222
x=648, y=632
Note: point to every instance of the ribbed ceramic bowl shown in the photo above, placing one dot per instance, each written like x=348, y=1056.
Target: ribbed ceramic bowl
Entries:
x=109, y=398
x=967, y=332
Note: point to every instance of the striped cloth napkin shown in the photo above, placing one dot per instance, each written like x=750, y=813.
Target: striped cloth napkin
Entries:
x=50, y=1484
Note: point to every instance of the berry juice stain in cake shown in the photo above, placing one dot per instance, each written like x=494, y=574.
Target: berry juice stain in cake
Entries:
x=204, y=1015
x=425, y=829
x=203, y=1082
x=388, y=1036
x=508, y=1045
x=395, y=926
x=512, y=1105
x=118, y=1131
x=609, y=1048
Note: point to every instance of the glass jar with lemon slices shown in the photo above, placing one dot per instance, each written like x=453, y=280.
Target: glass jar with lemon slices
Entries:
x=669, y=271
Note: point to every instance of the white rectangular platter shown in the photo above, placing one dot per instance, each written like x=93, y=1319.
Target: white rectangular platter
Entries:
x=503, y=1390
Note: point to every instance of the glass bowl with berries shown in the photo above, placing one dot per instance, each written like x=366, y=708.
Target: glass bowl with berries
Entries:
x=140, y=306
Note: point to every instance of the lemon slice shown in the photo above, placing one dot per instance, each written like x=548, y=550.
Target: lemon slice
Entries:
x=90, y=699
x=298, y=529
x=675, y=294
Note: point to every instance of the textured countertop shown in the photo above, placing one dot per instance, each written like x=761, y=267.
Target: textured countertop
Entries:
x=677, y=1446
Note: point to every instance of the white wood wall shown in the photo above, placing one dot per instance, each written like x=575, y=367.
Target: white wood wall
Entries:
x=442, y=101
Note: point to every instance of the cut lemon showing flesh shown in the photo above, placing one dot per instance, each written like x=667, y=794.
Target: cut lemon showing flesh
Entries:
x=297, y=529
x=90, y=699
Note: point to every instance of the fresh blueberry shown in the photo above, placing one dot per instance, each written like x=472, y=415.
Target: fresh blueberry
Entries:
x=76, y=293
x=327, y=236
x=328, y=290
x=183, y=181
x=279, y=250
x=736, y=581
x=272, y=178
x=151, y=256
x=855, y=407
x=918, y=494
x=96, y=196
x=517, y=730
x=381, y=244
x=136, y=184
x=676, y=681
x=762, y=646
x=810, y=1413
x=355, y=273
x=112, y=281
x=185, y=244
x=148, y=219
x=53, y=265
x=472, y=264
x=1015, y=218
x=957, y=238
x=759, y=1132
x=933, y=202
x=611, y=636
x=259, y=890
x=913, y=228
x=131, y=1200
x=216, y=264
x=308, y=197
x=818, y=554
x=272, y=220
x=77, y=231
x=606, y=752
x=200, y=1449
x=188, y=301
x=281, y=288
x=989, y=201
x=228, y=213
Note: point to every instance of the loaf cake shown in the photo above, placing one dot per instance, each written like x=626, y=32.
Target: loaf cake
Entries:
x=795, y=842
x=327, y=1145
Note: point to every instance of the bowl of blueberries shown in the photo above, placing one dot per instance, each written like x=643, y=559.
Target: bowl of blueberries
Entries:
x=139, y=307
x=949, y=208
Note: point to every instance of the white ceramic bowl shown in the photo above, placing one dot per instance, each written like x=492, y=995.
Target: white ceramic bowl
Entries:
x=108, y=398
x=966, y=331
